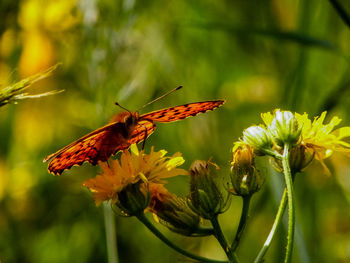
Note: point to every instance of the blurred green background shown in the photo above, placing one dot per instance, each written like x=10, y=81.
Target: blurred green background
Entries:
x=258, y=55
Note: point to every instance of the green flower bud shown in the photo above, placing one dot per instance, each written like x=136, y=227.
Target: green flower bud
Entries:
x=284, y=128
x=258, y=138
x=133, y=199
x=299, y=157
x=205, y=198
x=172, y=211
x=245, y=178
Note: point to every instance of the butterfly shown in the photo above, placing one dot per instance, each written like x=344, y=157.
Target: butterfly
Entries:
x=125, y=128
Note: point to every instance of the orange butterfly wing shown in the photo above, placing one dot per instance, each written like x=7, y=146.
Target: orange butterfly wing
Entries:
x=181, y=112
x=98, y=145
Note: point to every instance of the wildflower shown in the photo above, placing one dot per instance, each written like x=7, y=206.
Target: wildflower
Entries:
x=315, y=140
x=245, y=178
x=258, y=138
x=134, y=170
x=283, y=127
x=322, y=138
x=172, y=211
x=206, y=198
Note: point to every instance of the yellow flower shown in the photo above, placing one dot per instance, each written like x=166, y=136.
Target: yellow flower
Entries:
x=132, y=168
x=322, y=138
x=317, y=140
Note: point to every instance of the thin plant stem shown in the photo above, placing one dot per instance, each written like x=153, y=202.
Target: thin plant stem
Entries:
x=158, y=234
x=341, y=11
x=291, y=209
x=272, y=153
x=242, y=222
x=222, y=240
x=111, y=234
x=276, y=223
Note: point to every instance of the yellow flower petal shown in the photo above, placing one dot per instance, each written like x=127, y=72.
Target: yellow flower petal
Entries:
x=131, y=168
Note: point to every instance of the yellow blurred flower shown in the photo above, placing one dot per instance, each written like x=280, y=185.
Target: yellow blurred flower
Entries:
x=37, y=54
x=132, y=168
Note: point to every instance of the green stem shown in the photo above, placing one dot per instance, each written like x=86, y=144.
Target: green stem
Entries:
x=111, y=236
x=272, y=153
x=275, y=225
x=158, y=234
x=222, y=240
x=242, y=222
x=201, y=232
x=291, y=209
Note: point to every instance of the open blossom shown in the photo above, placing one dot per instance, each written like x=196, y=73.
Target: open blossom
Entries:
x=132, y=168
x=322, y=138
x=311, y=139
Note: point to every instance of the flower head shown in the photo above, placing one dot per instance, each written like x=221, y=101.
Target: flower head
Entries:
x=283, y=126
x=322, y=138
x=206, y=197
x=245, y=178
x=172, y=211
x=132, y=168
x=258, y=138
x=317, y=140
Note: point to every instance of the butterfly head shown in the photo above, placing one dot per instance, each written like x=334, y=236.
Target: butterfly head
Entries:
x=131, y=118
x=127, y=117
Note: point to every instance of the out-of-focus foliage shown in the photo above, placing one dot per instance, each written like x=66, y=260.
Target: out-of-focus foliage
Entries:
x=258, y=55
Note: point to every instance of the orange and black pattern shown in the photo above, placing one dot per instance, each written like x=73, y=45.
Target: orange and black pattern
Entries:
x=181, y=112
x=100, y=144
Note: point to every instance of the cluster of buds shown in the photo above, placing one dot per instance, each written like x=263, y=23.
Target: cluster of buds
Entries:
x=282, y=128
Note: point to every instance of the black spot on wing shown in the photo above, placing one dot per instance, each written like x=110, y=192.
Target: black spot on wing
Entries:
x=181, y=112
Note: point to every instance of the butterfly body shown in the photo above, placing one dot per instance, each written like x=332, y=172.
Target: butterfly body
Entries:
x=125, y=128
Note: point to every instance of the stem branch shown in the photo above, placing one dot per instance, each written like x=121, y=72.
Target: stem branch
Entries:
x=158, y=234
x=242, y=222
x=275, y=225
x=222, y=240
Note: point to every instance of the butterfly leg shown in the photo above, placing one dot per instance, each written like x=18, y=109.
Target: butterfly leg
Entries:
x=144, y=138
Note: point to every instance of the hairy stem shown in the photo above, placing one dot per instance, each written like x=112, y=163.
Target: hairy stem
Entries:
x=276, y=223
x=291, y=210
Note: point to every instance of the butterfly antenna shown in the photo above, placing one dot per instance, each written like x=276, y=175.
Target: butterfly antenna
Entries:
x=164, y=95
x=120, y=106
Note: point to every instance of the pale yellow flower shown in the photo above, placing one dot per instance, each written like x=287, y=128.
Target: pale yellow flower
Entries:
x=322, y=138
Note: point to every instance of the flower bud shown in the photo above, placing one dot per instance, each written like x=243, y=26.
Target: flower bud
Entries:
x=258, y=138
x=299, y=157
x=172, y=211
x=205, y=198
x=245, y=178
x=284, y=128
x=133, y=199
